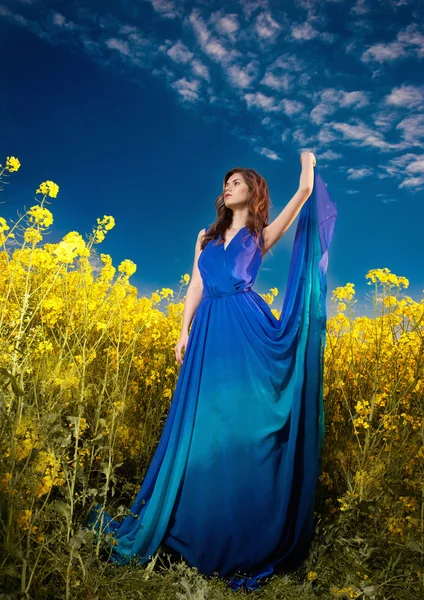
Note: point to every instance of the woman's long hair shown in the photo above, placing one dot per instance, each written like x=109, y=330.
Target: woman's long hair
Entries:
x=258, y=203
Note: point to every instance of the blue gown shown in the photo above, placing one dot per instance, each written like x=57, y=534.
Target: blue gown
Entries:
x=231, y=484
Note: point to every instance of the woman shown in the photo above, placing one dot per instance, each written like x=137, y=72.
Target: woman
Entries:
x=231, y=485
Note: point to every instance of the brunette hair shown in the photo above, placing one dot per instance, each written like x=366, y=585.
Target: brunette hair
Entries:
x=258, y=203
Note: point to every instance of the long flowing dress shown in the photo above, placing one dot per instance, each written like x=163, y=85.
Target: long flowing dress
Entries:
x=232, y=482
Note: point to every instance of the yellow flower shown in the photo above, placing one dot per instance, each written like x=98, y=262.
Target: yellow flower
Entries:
x=24, y=519
x=106, y=259
x=32, y=236
x=99, y=236
x=70, y=247
x=344, y=293
x=3, y=224
x=12, y=164
x=41, y=216
x=384, y=276
x=186, y=278
x=165, y=292
x=127, y=267
x=44, y=347
x=44, y=487
x=274, y=291
x=108, y=222
x=4, y=483
x=24, y=450
x=312, y=575
x=48, y=188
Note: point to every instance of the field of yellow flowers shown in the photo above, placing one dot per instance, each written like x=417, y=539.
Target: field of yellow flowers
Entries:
x=87, y=373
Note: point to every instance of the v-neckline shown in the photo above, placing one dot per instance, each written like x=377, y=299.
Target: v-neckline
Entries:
x=234, y=236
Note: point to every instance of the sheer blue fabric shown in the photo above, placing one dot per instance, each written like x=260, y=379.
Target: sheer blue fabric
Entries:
x=231, y=485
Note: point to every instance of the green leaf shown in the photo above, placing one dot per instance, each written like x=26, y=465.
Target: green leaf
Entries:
x=16, y=389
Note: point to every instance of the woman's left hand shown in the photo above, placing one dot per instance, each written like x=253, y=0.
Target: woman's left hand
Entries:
x=309, y=155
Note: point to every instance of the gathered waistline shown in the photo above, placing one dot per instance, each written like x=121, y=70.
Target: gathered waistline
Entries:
x=226, y=294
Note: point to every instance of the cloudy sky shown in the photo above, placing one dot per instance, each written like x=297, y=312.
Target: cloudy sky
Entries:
x=137, y=109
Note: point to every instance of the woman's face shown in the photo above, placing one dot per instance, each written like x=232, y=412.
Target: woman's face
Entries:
x=236, y=191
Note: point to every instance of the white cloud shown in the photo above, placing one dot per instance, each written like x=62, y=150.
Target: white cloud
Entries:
x=408, y=42
x=413, y=129
x=200, y=69
x=225, y=24
x=242, y=76
x=360, y=8
x=166, y=8
x=266, y=27
x=199, y=27
x=304, y=31
x=362, y=135
x=411, y=36
x=277, y=82
x=384, y=52
x=251, y=6
x=409, y=168
x=180, y=53
x=259, y=100
x=407, y=96
x=357, y=98
x=359, y=173
x=189, y=90
x=268, y=153
x=320, y=112
x=332, y=100
x=328, y=155
x=291, y=107
x=215, y=50
x=119, y=45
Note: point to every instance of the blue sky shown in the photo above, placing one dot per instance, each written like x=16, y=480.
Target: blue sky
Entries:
x=137, y=109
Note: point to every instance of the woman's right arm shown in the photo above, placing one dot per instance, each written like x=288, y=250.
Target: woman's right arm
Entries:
x=195, y=288
x=192, y=301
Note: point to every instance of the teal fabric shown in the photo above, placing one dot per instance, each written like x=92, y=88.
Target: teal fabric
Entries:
x=231, y=485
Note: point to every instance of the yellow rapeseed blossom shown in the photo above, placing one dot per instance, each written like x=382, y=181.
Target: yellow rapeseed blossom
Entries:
x=24, y=519
x=40, y=215
x=48, y=188
x=4, y=483
x=269, y=298
x=52, y=474
x=44, y=348
x=99, y=236
x=127, y=267
x=107, y=222
x=384, y=276
x=312, y=575
x=3, y=224
x=165, y=292
x=24, y=449
x=274, y=291
x=12, y=164
x=390, y=301
x=32, y=236
x=345, y=590
x=186, y=278
x=344, y=293
x=70, y=247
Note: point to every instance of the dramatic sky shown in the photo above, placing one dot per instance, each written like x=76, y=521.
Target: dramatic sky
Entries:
x=137, y=108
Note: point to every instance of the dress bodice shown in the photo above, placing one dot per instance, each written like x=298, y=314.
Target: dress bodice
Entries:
x=233, y=269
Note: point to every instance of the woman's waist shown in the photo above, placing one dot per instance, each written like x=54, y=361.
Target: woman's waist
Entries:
x=214, y=292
